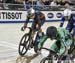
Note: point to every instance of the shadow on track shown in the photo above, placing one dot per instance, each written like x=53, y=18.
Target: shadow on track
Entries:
x=26, y=59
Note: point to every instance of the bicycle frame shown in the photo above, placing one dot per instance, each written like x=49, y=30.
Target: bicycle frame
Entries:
x=51, y=55
x=30, y=31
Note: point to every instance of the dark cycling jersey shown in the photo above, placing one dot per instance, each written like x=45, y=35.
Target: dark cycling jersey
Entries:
x=38, y=19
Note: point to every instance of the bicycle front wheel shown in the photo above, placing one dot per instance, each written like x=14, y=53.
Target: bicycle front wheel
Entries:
x=46, y=60
x=24, y=45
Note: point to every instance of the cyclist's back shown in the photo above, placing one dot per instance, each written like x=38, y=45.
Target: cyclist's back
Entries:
x=39, y=16
x=72, y=18
x=62, y=37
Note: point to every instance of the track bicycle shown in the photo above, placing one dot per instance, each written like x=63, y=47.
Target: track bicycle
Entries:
x=52, y=56
x=27, y=42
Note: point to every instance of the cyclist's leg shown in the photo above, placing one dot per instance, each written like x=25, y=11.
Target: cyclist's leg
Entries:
x=72, y=47
x=73, y=32
x=33, y=29
x=39, y=35
x=69, y=26
x=40, y=24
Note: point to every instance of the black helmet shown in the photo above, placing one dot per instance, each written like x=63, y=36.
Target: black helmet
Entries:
x=51, y=32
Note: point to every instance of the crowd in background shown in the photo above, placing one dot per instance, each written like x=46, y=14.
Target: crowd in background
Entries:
x=37, y=4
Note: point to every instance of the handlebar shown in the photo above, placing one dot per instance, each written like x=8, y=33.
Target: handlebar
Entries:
x=29, y=28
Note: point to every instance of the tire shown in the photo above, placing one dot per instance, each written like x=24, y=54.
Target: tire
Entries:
x=25, y=44
x=36, y=47
x=37, y=42
x=46, y=60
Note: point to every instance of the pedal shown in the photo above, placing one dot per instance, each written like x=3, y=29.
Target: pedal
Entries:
x=32, y=45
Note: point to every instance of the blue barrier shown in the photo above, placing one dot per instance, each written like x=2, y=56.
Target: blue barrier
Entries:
x=25, y=21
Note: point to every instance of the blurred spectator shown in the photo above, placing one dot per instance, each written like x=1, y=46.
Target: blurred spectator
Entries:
x=19, y=1
x=13, y=4
x=9, y=1
x=5, y=4
x=67, y=10
x=54, y=6
x=67, y=5
x=60, y=2
x=1, y=1
x=1, y=5
x=53, y=3
x=39, y=3
x=72, y=2
x=63, y=2
x=46, y=2
x=27, y=4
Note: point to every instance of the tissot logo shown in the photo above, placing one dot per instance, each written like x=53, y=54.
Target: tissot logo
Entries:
x=10, y=15
x=59, y=15
x=50, y=15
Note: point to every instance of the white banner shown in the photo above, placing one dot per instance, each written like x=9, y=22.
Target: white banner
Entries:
x=6, y=15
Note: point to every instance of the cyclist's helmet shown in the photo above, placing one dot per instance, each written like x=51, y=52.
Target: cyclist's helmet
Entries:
x=51, y=32
x=67, y=12
x=31, y=12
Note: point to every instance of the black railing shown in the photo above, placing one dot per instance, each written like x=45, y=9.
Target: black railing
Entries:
x=9, y=6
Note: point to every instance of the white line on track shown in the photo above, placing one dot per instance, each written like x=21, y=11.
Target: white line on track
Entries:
x=13, y=50
x=8, y=44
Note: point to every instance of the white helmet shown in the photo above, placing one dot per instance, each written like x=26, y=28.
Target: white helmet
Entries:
x=31, y=11
x=67, y=12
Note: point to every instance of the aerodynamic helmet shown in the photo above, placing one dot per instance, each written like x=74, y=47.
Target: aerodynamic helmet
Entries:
x=51, y=32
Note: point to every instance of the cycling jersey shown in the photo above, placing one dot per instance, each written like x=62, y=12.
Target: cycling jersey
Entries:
x=63, y=40
x=71, y=24
x=38, y=19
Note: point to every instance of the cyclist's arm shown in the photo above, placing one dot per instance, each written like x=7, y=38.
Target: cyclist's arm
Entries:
x=27, y=20
x=62, y=21
x=59, y=51
x=62, y=49
x=41, y=42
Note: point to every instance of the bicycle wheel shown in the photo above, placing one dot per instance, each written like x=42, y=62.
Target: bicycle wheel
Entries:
x=36, y=48
x=46, y=60
x=24, y=44
x=37, y=39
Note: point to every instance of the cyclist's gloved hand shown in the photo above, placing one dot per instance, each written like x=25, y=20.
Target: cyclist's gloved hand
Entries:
x=23, y=28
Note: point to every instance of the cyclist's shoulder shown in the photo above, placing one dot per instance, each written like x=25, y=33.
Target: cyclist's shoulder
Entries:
x=62, y=31
x=61, y=28
x=39, y=12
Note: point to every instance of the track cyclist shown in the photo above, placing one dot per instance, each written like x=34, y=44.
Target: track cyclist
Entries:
x=38, y=20
x=63, y=41
x=70, y=17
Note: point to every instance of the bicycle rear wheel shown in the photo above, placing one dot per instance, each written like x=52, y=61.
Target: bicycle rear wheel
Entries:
x=24, y=45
